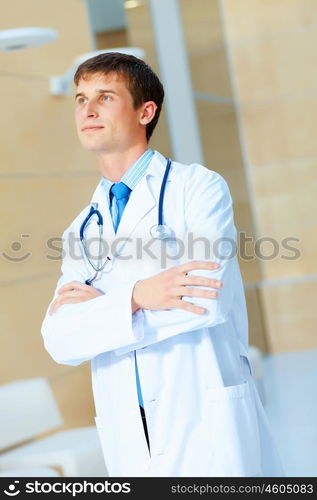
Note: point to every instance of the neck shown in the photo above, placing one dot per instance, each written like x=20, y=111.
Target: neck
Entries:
x=114, y=165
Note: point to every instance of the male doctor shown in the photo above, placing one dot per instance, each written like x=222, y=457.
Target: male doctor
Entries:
x=167, y=337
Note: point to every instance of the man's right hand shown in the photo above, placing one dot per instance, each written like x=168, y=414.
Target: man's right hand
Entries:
x=166, y=289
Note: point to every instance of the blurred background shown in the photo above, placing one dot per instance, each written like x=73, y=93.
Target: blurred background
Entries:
x=251, y=91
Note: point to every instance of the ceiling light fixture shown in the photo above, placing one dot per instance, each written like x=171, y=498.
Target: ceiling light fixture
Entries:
x=26, y=38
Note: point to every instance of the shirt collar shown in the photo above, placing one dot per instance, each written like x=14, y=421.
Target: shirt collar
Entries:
x=134, y=173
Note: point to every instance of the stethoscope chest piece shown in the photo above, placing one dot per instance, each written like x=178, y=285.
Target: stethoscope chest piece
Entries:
x=161, y=232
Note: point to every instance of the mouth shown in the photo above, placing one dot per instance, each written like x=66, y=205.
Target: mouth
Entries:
x=91, y=128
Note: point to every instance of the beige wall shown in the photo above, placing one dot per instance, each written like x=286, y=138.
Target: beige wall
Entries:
x=272, y=49
x=45, y=179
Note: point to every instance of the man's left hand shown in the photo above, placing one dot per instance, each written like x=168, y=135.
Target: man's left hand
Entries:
x=72, y=293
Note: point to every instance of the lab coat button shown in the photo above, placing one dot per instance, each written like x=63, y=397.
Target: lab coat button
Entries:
x=152, y=400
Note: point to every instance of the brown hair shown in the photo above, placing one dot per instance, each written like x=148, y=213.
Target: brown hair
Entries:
x=142, y=83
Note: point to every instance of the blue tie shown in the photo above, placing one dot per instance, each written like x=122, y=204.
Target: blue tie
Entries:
x=121, y=192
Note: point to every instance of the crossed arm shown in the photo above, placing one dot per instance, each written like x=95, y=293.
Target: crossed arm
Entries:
x=161, y=291
x=136, y=314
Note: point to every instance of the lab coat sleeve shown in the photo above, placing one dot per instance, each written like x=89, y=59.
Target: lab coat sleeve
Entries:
x=79, y=332
x=209, y=217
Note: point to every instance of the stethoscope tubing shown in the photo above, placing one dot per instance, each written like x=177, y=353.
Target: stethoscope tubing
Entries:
x=94, y=210
x=162, y=192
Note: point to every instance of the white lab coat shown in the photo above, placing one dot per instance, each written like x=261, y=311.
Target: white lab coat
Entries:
x=204, y=415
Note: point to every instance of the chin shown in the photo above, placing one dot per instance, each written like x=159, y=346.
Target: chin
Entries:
x=92, y=148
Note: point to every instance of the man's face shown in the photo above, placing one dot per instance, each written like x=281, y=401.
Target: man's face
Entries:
x=106, y=120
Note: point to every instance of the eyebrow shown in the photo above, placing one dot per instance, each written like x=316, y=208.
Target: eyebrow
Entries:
x=98, y=91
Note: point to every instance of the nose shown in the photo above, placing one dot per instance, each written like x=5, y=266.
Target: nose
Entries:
x=91, y=111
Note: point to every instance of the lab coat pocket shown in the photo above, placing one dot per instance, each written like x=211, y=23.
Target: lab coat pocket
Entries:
x=234, y=432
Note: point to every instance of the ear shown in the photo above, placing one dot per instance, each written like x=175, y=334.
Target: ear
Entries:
x=148, y=111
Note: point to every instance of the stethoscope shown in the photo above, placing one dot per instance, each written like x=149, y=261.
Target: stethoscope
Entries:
x=159, y=231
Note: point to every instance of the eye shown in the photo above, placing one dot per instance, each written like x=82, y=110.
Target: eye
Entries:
x=106, y=97
x=81, y=100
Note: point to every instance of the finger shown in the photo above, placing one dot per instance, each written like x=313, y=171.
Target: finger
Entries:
x=63, y=299
x=196, y=292
x=188, y=306
x=200, y=281
x=198, y=264
x=70, y=294
x=69, y=300
x=74, y=297
x=52, y=308
x=73, y=285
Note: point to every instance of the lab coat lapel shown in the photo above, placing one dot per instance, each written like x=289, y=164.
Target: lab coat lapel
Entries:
x=142, y=199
